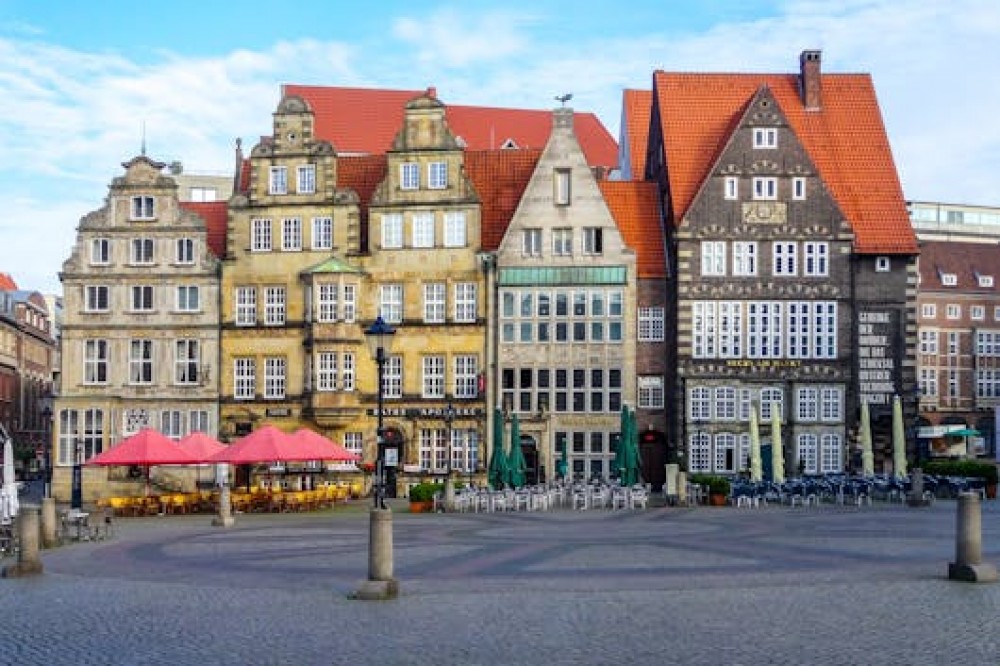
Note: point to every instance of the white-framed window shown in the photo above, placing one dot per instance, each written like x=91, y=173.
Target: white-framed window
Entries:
x=713, y=257
x=731, y=188
x=928, y=341
x=830, y=453
x=985, y=281
x=798, y=188
x=142, y=298
x=261, y=235
x=561, y=187
x=95, y=361
x=455, y=229
x=434, y=302
x=433, y=377
x=650, y=389
x=700, y=404
x=274, y=306
x=142, y=251
x=244, y=378
x=949, y=279
x=953, y=311
x=996, y=313
x=347, y=372
x=765, y=188
x=143, y=208
x=245, y=303
x=326, y=371
x=186, y=361
x=437, y=175
x=651, y=324
x=745, y=258
x=409, y=176
x=953, y=339
x=392, y=231
x=765, y=137
x=531, y=242
x=422, y=226
x=730, y=331
x=184, y=251
x=988, y=382
x=725, y=453
x=392, y=377
x=562, y=242
x=97, y=298
x=172, y=423
x=816, y=262
x=831, y=405
x=203, y=194
x=704, y=329
x=928, y=311
x=593, y=240
x=140, y=361
x=291, y=234
x=306, y=179
x=988, y=343
x=807, y=404
x=764, y=329
x=322, y=233
x=350, y=302
x=928, y=382
x=807, y=452
x=354, y=442
x=882, y=265
x=391, y=303
x=274, y=378
x=784, y=258
x=725, y=403
x=466, y=374
x=188, y=298
x=433, y=449
x=100, y=252
x=326, y=302
x=977, y=312
x=772, y=400
x=700, y=452
x=278, y=180
x=466, y=306
x=198, y=421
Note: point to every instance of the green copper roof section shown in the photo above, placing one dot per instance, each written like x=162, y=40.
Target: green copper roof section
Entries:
x=332, y=265
x=565, y=275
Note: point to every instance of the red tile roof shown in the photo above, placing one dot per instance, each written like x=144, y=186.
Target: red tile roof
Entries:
x=7, y=282
x=846, y=140
x=636, y=208
x=215, y=215
x=500, y=177
x=361, y=173
x=366, y=120
x=966, y=261
x=636, y=109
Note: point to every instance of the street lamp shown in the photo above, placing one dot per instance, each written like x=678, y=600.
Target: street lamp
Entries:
x=449, y=482
x=45, y=402
x=76, y=498
x=380, y=584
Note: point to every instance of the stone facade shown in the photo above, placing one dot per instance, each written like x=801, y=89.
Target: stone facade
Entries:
x=140, y=333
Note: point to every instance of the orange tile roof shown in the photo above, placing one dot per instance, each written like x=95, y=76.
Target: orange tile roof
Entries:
x=500, y=177
x=7, y=282
x=366, y=120
x=846, y=140
x=215, y=214
x=637, y=106
x=361, y=173
x=966, y=261
x=636, y=208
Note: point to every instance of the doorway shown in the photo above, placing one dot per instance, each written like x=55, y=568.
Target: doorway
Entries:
x=653, y=454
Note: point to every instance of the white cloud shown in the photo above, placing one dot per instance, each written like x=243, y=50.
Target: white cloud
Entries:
x=446, y=38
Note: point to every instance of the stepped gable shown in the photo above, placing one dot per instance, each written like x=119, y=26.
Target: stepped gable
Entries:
x=635, y=207
x=500, y=178
x=844, y=135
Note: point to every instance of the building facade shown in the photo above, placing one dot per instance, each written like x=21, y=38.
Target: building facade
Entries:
x=140, y=334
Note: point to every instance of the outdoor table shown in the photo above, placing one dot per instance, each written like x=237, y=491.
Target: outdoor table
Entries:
x=79, y=520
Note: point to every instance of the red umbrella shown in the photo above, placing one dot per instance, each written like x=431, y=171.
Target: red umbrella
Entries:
x=147, y=447
x=201, y=445
x=325, y=448
x=266, y=444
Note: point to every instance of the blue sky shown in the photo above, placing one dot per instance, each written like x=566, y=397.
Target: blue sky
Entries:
x=80, y=79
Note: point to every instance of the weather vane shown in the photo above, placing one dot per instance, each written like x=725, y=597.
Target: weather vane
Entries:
x=562, y=99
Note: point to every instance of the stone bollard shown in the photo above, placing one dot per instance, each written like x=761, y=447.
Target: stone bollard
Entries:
x=50, y=538
x=225, y=516
x=682, y=485
x=28, y=561
x=670, y=484
x=380, y=585
x=916, y=497
x=968, y=565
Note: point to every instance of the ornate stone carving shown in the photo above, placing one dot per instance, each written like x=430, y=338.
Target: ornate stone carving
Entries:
x=765, y=212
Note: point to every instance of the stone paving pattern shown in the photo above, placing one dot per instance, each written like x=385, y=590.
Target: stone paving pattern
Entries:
x=777, y=585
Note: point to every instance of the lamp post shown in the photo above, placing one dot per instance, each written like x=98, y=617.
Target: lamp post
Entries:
x=449, y=482
x=76, y=497
x=46, y=413
x=380, y=583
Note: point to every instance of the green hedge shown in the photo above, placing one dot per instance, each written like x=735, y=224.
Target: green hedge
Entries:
x=717, y=485
x=424, y=492
x=970, y=468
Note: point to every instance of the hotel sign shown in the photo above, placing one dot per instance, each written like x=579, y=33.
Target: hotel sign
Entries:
x=878, y=335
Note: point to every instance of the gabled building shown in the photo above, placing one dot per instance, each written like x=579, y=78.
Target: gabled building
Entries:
x=140, y=330
x=792, y=260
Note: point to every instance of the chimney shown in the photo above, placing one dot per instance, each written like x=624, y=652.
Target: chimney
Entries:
x=809, y=81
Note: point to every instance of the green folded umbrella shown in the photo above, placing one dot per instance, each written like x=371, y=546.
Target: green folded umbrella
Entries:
x=497, y=474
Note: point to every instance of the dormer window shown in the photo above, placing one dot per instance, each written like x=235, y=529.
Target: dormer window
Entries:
x=143, y=208
x=278, y=182
x=949, y=279
x=307, y=179
x=882, y=265
x=437, y=175
x=409, y=176
x=765, y=137
x=985, y=281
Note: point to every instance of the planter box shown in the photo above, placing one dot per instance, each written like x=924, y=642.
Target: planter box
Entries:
x=421, y=507
x=716, y=499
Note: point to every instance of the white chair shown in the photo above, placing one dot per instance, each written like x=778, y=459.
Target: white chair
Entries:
x=620, y=499
x=638, y=498
x=580, y=500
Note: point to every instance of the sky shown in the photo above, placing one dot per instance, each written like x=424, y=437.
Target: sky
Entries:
x=82, y=83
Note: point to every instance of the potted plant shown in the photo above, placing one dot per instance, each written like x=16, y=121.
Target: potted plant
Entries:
x=718, y=487
x=422, y=497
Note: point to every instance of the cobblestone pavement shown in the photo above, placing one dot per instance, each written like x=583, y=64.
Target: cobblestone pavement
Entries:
x=827, y=585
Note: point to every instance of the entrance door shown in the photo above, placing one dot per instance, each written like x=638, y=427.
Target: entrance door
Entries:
x=653, y=452
x=393, y=452
x=766, y=469
x=532, y=474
